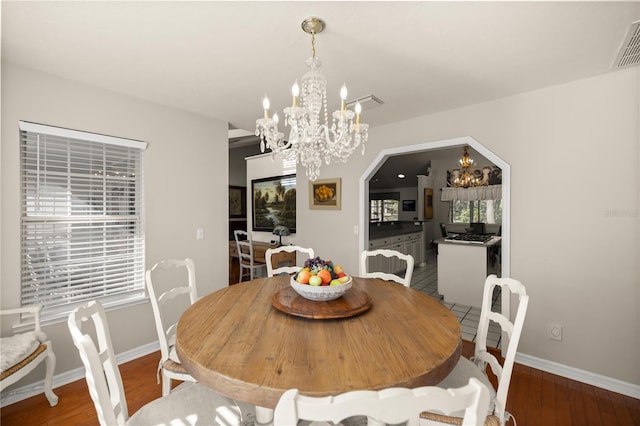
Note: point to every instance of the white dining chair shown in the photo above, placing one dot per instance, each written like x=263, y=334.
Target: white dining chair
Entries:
x=407, y=260
x=476, y=367
x=188, y=404
x=167, y=295
x=271, y=271
x=246, y=258
x=21, y=353
x=388, y=406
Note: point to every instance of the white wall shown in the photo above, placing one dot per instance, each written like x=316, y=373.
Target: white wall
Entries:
x=185, y=188
x=574, y=155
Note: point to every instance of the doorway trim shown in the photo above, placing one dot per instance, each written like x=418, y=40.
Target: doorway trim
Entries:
x=427, y=146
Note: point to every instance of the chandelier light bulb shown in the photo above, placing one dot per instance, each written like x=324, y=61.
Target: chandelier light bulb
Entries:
x=276, y=119
x=343, y=97
x=265, y=106
x=295, y=91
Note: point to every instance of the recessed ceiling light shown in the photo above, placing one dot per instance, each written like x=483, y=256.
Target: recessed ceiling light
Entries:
x=401, y=176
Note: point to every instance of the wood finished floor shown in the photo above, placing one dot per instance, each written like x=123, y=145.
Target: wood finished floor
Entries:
x=535, y=398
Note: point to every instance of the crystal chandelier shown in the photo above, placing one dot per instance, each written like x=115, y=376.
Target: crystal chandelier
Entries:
x=309, y=141
x=465, y=179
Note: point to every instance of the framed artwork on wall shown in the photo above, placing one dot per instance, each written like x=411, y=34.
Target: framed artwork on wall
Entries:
x=408, y=205
x=237, y=201
x=325, y=194
x=428, y=203
x=273, y=201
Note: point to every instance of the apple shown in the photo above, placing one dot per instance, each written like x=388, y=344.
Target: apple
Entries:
x=338, y=269
x=303, y=277
x=344, y=279
x=315, y=280
x=335, y=282
x=341, y=274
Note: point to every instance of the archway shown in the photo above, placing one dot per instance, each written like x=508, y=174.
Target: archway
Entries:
x=447, y=143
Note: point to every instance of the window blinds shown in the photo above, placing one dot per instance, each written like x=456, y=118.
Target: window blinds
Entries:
x=82, y=218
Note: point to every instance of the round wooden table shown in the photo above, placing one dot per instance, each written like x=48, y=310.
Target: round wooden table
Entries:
x=236, y=342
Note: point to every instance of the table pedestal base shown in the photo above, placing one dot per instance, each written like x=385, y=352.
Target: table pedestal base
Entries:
x=264, y=416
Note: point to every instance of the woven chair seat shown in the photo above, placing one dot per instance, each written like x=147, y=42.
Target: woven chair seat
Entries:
x=173, y=366
x=11, y=370
x=450, y=420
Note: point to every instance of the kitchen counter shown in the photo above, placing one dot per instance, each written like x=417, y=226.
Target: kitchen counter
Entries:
x=493, y=241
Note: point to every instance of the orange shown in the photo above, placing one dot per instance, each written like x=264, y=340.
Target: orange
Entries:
x=325, y=275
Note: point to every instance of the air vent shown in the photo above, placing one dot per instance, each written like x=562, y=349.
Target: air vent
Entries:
x=630, y=51
x=367, y=102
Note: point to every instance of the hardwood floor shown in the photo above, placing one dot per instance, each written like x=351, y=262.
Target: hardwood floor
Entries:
x=535, y=398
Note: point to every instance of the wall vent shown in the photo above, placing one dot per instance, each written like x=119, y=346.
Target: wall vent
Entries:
x=630, y=50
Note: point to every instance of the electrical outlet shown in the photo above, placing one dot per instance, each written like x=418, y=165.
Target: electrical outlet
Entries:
x=200, y=234
x=555, y=332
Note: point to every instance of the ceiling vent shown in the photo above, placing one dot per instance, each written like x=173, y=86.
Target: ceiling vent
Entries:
x=367, y=102
x=630, y=51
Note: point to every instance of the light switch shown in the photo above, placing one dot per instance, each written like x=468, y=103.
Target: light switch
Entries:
x=200, y=234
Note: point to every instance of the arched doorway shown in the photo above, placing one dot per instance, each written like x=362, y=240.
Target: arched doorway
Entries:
x=447, y=143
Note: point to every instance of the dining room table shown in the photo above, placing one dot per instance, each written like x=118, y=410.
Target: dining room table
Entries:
x=254, y=340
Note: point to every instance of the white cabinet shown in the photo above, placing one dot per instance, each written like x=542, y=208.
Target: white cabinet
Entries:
x=405, y=243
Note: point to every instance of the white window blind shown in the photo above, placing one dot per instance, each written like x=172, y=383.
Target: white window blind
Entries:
x=82, y=218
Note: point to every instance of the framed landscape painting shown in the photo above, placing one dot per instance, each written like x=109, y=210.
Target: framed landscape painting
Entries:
x=273, y=202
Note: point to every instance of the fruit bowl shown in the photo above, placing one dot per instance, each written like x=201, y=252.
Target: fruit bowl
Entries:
x=321, y=293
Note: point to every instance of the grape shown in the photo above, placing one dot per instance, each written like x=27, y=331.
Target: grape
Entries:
x=316, y=265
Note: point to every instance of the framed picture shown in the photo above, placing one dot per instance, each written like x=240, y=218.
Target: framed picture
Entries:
x=237, y=201
x=325, y=194
x=428, y=203
x=273, y=202
x=408, y=205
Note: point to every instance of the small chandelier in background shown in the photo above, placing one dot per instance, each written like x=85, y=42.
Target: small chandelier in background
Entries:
x=309, y=141
x=464, y=178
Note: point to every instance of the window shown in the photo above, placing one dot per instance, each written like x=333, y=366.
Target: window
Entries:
x=384, y=206
x=82, y=218
x=384, y=210
x=485, y=211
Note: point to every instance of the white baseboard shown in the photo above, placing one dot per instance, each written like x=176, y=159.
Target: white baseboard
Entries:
x=33, y=389
x=579, y=375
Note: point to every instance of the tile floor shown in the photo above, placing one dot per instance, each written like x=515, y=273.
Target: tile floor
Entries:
x=425, y=279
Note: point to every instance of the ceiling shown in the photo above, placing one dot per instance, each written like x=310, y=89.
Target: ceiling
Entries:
x=219, y=58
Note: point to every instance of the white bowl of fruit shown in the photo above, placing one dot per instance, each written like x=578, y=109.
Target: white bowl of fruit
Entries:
x=321, y=280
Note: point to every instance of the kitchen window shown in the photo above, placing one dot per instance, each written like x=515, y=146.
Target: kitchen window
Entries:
x=82, y=219
x=485, y=211
x=384, y=206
